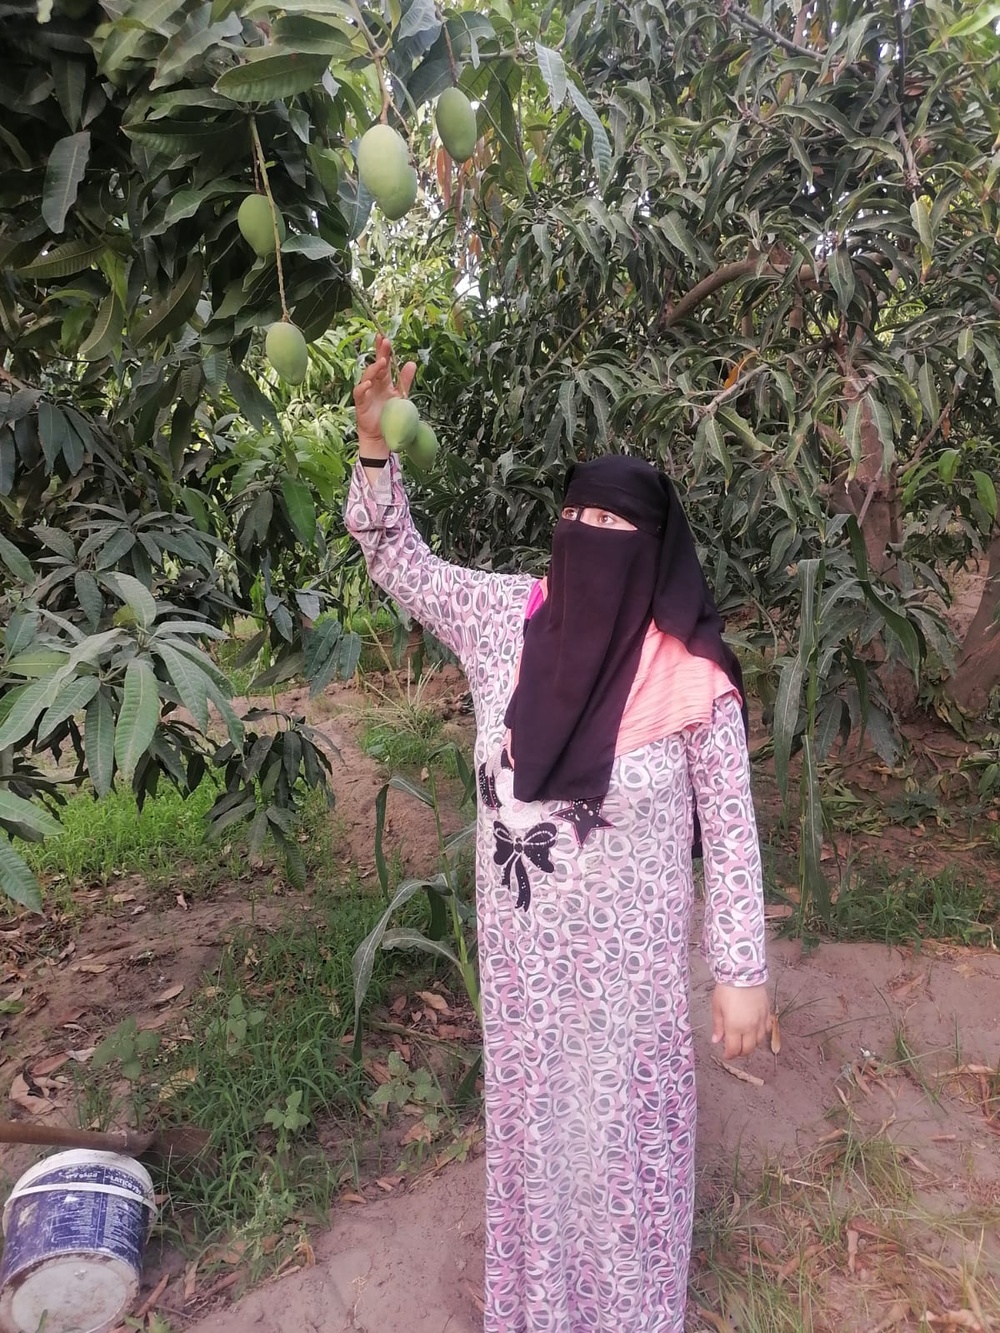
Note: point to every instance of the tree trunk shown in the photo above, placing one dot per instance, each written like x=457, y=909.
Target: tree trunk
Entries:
x=977, y=671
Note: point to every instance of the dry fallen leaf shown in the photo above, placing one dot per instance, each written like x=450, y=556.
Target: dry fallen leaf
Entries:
x=775, y=1035
x=435, y=1001
x=171, y=993
x=852, y=1250
x=94, y=968
x=49, y=1065
x=34, y=1103
x=82, y=1055
x=398, y=1005
x=955, y=1319
x=417, y=1133
x=190, y=1280
x=741, y=1074
x=353, y=1198
x=181, y=902
x=716, y=1320
x=388, y=1183
x=897, y=1313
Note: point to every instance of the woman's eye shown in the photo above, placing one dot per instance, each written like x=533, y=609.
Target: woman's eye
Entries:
x=569, y=512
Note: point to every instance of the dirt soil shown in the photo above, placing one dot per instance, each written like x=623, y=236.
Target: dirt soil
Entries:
x=411, y=1261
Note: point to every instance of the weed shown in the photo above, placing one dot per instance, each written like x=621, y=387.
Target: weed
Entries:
x=111, y=836
x=905, y=909
x=419, y=1093
x=266, y=1068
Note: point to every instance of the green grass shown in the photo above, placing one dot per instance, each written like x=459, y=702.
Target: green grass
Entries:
x=268, y=1027
x=111, y=836
x=899, y=909
x=409, y=742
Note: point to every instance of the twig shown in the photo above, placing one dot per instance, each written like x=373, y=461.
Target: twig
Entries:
x=376, y=53
x=741, y=1074
x=570, y=337
x=259, y=151
x=945, y=413
x=912, y=172
x=734, y=390
x=12, y=379
x=869, y=496
x=451, y=53
x=150, y=1302
x=779, y=39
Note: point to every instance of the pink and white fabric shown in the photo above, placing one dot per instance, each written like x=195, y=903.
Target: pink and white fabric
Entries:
x=584, y=915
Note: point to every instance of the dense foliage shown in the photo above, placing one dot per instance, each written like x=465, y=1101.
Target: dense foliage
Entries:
x=756, y=243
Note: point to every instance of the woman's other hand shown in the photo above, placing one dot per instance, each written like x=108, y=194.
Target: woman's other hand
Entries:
x=741, y=1018
x=371, y=394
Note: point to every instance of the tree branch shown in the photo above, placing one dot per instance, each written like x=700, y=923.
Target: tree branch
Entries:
x=779, y=39
x=727, y=273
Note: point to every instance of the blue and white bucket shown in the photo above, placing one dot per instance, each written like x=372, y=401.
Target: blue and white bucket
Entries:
x=75, y=1228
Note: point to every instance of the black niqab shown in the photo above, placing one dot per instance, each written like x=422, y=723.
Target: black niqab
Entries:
x=582, y=647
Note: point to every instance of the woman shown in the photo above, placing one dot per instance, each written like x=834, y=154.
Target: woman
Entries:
x=609, y=714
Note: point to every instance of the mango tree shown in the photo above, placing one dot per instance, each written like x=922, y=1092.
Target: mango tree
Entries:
x=136, y=295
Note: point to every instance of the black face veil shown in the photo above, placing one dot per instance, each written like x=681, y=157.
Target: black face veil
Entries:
x=582, y=647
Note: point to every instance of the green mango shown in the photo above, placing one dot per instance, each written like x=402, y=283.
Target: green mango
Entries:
x=456, y=124
x=287, y=352
x=398, y=423
x=256, y=223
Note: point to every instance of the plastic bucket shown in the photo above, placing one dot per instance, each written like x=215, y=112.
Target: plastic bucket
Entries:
x=75, y=1228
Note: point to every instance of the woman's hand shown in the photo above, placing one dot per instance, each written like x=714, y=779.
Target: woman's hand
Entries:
x=371, y=394
x=741, y=1017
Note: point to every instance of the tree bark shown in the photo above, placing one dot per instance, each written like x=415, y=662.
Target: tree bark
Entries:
x=977, y=672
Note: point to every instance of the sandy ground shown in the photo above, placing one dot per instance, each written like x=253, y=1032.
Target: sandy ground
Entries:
x=412, y=1263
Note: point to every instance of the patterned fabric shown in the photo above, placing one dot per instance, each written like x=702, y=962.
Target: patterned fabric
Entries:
x=584, y=914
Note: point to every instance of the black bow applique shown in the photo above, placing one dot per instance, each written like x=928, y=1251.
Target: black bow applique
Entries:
x=511, y=849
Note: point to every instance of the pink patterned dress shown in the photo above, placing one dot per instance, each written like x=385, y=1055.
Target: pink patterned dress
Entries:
x=584, y=915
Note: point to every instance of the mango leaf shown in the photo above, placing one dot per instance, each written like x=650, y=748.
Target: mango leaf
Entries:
x=16, y=880
x=300, y=508
x=170, y=314
x=62, y=261
x=600, y=143
x=841, y=273
x=313, y=247
x=787, y=709
x=135, y=595
x=553, y=69
x=138, y=716
x=16, y=561
x=16, y=810
x=987, y=492
x=272, y=77
x=976, y=21
x=33, y=700
x=420, y=17
x=190, y=683
x=73, y=698
x=99, y=743
x=909, y=637
x=66, y=168
x=106, y=330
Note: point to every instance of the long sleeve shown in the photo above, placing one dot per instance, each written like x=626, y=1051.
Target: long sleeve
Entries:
x=478, y=615
x=719, y=766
